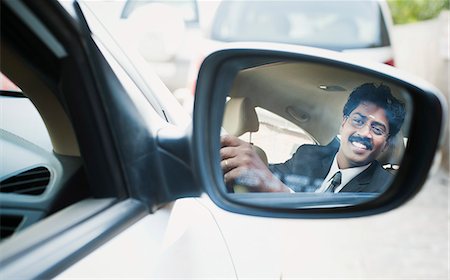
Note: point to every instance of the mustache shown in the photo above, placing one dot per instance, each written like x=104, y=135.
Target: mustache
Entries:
x=363, y=140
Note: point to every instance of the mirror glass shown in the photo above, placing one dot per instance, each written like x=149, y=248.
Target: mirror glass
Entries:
x=302, y=134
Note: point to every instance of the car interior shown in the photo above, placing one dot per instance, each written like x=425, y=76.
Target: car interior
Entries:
x=36, y=182
x=310, y=97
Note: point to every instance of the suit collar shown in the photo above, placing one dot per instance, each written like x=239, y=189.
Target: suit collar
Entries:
x=330, y=151
x=363, y=179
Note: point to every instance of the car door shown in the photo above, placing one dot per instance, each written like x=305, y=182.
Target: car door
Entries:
x=102, y=121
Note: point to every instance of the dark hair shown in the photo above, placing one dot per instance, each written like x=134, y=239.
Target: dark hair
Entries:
x=382, y=97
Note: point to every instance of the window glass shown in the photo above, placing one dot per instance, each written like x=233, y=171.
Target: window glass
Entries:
x=278, y=137
x=20, y=117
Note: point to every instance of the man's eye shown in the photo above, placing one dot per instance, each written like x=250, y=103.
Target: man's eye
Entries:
x=378, y=130
x=358, y=122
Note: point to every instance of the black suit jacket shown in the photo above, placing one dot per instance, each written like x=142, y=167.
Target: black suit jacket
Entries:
x=310, y=164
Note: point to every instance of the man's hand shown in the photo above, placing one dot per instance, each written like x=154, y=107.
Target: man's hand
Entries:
x=241, y=165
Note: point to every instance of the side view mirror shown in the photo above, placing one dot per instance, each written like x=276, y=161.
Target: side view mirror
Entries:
x=298, y=132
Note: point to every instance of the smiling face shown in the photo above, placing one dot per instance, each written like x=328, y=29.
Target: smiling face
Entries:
x=364, y=135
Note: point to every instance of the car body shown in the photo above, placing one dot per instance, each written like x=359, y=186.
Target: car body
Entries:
x=122, y=200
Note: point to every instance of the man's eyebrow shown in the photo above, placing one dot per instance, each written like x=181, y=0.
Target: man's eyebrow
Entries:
x=361, y=115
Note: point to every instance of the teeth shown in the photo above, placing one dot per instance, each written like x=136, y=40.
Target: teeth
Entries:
x=359, y=145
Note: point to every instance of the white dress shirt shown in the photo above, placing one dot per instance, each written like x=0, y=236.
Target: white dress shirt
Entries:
x=347, y=175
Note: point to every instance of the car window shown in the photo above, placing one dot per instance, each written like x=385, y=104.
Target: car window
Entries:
x=27, y=165
x=117, y=42
x=277, y=137
x=328, y=24
x=20, y=117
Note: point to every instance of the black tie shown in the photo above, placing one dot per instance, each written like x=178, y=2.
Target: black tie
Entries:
x=335, y=182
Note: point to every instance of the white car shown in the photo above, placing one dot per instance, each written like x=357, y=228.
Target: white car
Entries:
x=360, y=28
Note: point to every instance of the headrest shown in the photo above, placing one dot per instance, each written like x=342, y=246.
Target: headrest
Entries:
x=240, y=116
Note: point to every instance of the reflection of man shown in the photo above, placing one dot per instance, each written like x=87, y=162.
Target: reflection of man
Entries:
x=371, y=119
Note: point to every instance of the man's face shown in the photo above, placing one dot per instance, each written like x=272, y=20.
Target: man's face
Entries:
x=364, y=135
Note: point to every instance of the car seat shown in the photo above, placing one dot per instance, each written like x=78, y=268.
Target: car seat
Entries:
x=240, y=117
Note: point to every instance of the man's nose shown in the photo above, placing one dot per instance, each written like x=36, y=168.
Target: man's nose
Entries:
x=365, y=131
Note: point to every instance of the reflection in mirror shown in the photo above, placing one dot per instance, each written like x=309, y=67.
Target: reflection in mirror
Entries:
x=312, y=130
